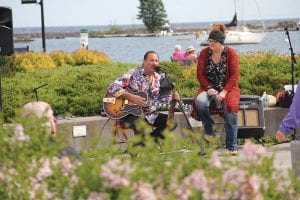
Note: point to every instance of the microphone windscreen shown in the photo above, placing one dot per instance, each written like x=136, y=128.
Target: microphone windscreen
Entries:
x=158, y=70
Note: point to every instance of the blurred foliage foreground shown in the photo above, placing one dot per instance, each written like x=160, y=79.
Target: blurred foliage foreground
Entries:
x=76, y=82
x=33, y=166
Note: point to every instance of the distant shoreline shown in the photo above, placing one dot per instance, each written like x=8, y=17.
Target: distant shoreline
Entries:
x=115, y=31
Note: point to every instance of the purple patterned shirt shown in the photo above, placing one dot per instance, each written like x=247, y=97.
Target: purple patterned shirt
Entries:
x=136, y=80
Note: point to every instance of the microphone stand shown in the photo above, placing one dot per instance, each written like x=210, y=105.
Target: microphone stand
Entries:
x=35, y=90
x=160, y=70
x=202, y=152
x=293, y=62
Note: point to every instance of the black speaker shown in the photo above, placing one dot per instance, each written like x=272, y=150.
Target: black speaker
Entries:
x=6, y=31
x=251, y=123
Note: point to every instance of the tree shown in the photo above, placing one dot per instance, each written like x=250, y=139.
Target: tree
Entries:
x=153, y=14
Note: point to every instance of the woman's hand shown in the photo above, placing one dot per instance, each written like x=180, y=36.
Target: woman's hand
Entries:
x=212, y=92
x=221, y=95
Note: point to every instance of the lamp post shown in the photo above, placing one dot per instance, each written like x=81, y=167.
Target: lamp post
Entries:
x=43, y=25
x=42, y=19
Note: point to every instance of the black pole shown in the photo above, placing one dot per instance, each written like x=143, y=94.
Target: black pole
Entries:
x=1, y=104
x=43, y=26
x=293, y=62
x=35, y=90
x=172, y=85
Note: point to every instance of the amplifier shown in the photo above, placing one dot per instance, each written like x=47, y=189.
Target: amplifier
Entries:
x=251, y=123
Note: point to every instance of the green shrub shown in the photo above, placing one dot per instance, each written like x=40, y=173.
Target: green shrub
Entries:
x=30, y=61
x=264, y=71
x=71, y=90
x=8, y=68
x=61, y=58
x=88, y=57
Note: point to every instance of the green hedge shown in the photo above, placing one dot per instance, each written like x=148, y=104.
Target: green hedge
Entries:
x=79, y=90
x=71, y=90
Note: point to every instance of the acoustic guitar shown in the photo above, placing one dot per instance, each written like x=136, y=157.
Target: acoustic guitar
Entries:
x=119, y=107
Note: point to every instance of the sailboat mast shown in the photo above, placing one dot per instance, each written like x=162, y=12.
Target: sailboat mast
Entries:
x=261, y=19
x=234, y=6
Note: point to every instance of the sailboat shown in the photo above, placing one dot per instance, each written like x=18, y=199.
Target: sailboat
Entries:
x=237, y=34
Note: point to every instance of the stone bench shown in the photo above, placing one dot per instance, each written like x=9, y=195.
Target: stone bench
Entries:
x=81, y=132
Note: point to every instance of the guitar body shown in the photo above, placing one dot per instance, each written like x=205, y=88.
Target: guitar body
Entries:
x=119, y=107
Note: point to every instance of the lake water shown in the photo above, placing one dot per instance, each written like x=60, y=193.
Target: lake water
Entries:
x=132, y=49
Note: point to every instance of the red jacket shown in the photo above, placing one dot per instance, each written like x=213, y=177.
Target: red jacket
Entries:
x=231, y=82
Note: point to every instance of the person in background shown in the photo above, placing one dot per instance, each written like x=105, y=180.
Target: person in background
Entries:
x=144, y=79
x=292, y=119
x=40, y=109
x=190, y=53
x=218, y=74
x=177, y=55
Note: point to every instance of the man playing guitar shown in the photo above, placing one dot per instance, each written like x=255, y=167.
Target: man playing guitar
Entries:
x=143, y=79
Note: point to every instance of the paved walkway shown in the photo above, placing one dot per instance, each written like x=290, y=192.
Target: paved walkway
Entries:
x=282, y=160
x=282, y=156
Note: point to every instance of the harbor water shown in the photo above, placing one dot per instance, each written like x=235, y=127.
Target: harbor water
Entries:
x=132, y=49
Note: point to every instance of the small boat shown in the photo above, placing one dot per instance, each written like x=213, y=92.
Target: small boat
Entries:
x=166, y=30
x=237, y=35
x=243, y=36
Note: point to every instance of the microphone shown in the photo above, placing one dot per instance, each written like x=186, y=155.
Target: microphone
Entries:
x=159, y=70
x=166, y=84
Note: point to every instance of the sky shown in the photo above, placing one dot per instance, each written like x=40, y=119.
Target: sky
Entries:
x=119, y=12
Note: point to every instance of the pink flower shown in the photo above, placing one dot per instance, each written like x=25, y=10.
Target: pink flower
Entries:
x=196, y=179
x=234, y=176
x=250, y=190
x=45, y=171
x=19, y=133
x=2, y=176
x=143, y=191
x=183, y=192
x=97, y=196
x=115, y=174
x=215, y=161
x=66, y=166
x=252, y=151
